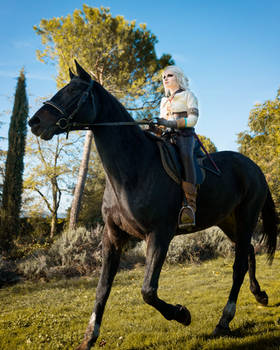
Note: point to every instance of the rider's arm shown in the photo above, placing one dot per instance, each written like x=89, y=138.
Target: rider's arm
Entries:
x=192, y=110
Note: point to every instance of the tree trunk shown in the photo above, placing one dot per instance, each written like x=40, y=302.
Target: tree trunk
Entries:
x=53, y=225
x=79, y=189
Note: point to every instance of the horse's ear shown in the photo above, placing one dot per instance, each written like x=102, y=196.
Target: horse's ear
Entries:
x=82, y=73
x=71, y=74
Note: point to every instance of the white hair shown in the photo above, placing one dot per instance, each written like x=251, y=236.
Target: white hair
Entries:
x=181, y=79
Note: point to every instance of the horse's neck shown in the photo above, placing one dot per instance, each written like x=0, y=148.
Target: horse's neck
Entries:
x=122, y=149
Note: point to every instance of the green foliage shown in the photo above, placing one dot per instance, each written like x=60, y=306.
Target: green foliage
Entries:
x=55, y=315
x=262, y=142
x=208, y=144
x=78, y=252
x=13, y=182
x=74, y=253
x=119, y=55
x=50, y=169
x=90, y=212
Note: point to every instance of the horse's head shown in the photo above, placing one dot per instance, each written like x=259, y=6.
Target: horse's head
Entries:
x=71, y=108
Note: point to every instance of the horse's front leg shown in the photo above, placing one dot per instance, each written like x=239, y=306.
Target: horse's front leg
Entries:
x=111, y=251
x=156, y=252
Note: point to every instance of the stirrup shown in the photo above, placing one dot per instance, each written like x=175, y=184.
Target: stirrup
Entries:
x=189, y=221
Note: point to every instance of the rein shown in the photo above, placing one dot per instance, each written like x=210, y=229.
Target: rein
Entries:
x=67, y=122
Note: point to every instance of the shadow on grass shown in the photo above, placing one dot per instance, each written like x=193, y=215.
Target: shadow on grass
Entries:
x=268, y=343
x=247, y=330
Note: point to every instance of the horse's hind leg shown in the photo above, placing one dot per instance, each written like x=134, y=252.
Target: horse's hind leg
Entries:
x=111, y=250
x=156, y=252
x=260, y=295
x=240, y=268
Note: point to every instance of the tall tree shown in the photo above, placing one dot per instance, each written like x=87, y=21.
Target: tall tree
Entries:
x=262, y=142
x=50, y=165
x=119, y=55
x=13, y=181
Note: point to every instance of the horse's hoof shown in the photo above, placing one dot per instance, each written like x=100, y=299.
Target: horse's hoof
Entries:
x=84, y=346
x=221, y=331
x=262, y=298
x=182, y=315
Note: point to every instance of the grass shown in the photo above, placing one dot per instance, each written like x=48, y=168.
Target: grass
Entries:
x=54, y=315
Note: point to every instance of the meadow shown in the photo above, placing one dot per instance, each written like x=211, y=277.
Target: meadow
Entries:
x=54, y=314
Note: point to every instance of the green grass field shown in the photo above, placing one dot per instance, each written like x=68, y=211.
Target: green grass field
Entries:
x=54, y=315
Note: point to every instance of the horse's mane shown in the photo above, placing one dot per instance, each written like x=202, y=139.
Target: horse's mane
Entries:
x=106, y=96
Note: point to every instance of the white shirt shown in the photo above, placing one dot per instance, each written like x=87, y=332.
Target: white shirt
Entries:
x=183, y=101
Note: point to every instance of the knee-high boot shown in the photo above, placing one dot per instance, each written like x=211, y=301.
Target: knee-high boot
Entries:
x=187, y=213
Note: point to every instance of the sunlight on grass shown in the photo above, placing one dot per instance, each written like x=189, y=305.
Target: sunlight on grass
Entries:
x=54, y=315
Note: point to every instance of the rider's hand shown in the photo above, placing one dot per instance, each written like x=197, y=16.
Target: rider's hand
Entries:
x=153, y=128
x=167, y=123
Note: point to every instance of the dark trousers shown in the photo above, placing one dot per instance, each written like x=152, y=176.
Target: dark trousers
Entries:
x=185, y=142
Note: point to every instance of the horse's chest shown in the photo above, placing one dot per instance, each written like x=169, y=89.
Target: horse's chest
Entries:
x=124, y=219
x=132, y=227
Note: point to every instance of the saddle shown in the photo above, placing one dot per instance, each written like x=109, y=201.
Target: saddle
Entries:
x=171, y=162
x=172, y=165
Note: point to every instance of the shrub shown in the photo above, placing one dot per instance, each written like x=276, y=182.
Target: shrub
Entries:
x=78, y=252
x=74, y=253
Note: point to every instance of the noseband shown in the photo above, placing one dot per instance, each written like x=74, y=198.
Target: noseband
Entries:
x=67, y=122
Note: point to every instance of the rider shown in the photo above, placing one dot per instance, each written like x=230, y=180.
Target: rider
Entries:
x=179, y=111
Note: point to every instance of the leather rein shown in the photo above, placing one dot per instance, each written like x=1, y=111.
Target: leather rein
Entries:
x=67, y=121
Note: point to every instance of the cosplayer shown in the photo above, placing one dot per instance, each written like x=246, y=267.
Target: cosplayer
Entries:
x=179, y=111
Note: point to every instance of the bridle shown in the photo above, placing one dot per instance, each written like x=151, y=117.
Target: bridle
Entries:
x=67, y=121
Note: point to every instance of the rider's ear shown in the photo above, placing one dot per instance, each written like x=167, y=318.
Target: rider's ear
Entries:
x=71, y=74
x=82, y=73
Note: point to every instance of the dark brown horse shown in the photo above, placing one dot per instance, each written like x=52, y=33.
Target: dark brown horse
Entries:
x=141, y=200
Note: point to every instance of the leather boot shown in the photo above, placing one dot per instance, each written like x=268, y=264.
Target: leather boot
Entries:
x=187, y=213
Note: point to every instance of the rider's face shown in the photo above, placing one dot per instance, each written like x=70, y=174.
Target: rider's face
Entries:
x=170, y=81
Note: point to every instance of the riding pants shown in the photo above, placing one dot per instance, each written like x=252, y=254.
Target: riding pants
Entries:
x=185, y=142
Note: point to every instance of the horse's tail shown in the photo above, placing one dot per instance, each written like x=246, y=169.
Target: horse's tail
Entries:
x=270, y=226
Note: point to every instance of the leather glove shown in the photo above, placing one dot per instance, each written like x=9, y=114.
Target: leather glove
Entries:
x=167, y=123
x=153, y=128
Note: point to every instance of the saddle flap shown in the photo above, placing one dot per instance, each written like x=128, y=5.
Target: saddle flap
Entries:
x=172, y=165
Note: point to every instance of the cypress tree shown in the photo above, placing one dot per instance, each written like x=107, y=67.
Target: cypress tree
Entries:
x=13, y=181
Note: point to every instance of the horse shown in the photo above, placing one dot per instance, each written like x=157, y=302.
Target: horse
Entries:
x=142, y=201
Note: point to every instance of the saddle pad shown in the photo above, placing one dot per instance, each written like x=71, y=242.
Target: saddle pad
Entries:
x=172, y=166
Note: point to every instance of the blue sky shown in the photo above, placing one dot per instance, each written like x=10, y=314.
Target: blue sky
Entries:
x=229, y=49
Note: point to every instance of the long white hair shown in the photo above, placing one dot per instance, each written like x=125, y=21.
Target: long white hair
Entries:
x=181, y=79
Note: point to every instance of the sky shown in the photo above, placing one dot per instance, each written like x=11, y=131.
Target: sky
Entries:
x=229, y=50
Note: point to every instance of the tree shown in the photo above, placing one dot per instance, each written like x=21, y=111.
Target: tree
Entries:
x=208, y=144
x=262, y=142
x=50, y=165
x=118, y=54
x=91, y=203
x=13, y=181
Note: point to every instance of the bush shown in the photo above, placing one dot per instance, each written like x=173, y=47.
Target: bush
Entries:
x=192, y=248
x=78, y=252
x=199, y=246
x=75, y=253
